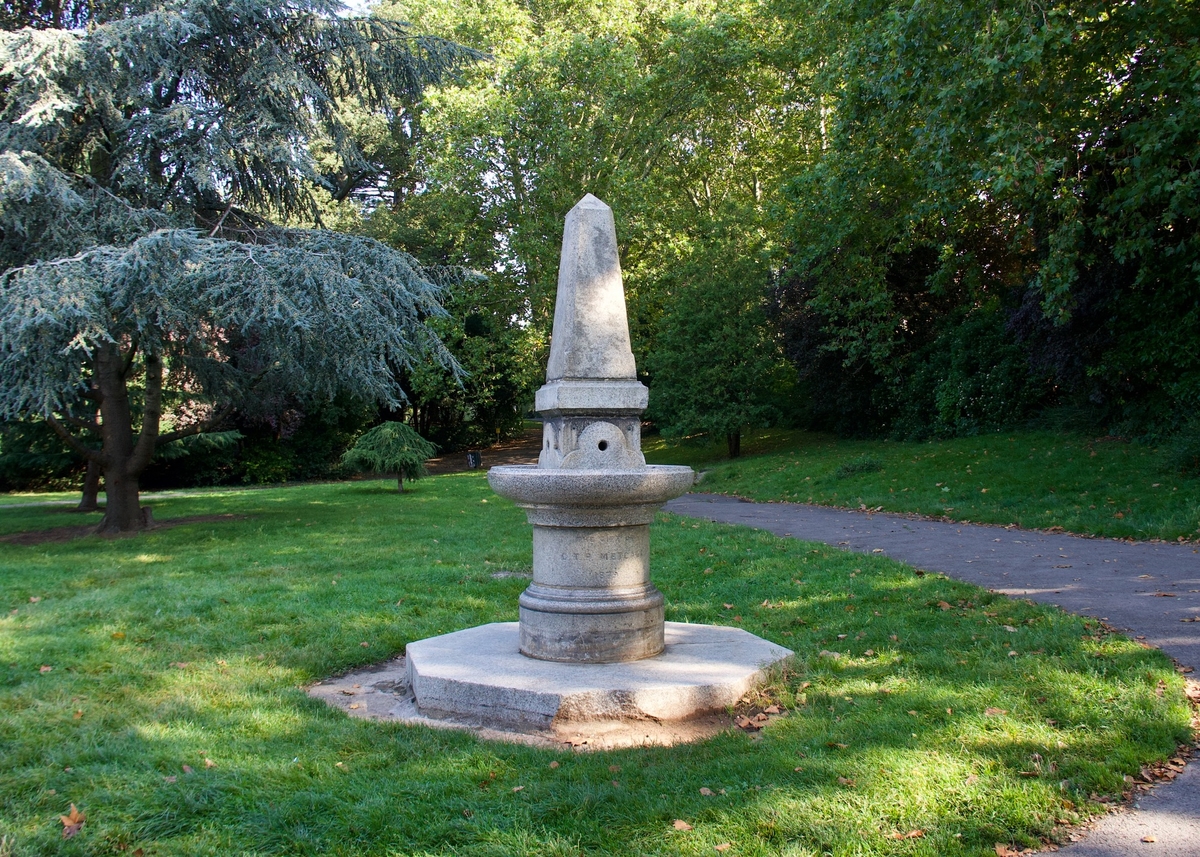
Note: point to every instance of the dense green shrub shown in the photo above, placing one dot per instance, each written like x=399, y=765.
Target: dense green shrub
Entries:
x=972, y=378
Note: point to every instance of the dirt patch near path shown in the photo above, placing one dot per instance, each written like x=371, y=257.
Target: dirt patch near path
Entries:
x=520, y=450
x=58, y=535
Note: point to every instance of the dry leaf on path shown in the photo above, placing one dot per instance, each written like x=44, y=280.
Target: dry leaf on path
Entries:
x=1149, y=839
x=72, y=822
x=1003, y=850
x=680, y=824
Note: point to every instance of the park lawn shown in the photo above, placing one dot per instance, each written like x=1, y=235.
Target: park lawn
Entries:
x=949, y=710
x=1036, y=480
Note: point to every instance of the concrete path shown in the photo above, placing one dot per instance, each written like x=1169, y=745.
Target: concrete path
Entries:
x=1146, y=590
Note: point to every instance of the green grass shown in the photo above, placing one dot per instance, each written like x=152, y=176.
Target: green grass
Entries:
x=1037, y=480
x=195, y=643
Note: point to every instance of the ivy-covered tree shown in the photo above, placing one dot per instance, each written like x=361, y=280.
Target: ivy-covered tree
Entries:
x=155, y=168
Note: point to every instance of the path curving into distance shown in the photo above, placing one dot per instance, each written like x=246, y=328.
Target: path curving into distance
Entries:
x=1145, y=590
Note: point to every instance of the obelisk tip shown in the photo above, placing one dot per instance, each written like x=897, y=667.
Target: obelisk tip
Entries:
x=590, y=201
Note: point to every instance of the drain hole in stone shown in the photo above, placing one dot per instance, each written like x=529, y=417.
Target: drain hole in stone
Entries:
x=603, y=445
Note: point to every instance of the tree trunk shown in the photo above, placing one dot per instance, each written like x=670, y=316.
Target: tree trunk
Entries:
x=733, y=441
x=124, y=457
x=91, y=488
x=123, y=512
x=400, y=482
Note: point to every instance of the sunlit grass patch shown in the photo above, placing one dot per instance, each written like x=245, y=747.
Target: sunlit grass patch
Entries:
x=191, y=647
x=1036, y=480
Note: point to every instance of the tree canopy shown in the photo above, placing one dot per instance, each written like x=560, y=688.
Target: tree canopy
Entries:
x=155, y=170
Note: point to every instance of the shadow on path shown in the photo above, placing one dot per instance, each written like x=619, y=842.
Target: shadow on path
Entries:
x=1147, y=590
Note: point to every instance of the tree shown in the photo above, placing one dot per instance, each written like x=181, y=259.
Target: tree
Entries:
x=1042, y=154
x=145, y=163
x=717, y=367
x=391, y=447
x=683, y=116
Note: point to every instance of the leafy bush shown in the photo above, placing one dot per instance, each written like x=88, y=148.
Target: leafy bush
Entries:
x=972, y=378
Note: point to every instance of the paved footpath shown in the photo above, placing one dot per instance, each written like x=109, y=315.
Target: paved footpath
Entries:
x=1144, y=589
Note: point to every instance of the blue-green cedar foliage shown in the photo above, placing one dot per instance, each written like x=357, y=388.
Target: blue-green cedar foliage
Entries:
x=153, y=168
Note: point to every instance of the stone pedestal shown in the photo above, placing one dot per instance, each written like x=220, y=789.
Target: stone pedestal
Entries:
x=591, y=616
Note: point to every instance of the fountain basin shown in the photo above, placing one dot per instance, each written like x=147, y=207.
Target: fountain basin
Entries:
x=530, y=485
x=591, y=599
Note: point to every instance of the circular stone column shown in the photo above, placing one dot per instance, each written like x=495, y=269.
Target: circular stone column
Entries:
x=591, y=599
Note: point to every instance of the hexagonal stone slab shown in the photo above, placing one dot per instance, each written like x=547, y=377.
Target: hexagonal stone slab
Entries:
x=479, y=676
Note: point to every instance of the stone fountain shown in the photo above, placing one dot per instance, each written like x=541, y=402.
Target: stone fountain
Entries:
x=591, y=645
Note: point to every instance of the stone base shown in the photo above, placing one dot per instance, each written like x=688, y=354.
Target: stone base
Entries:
x=479, y=676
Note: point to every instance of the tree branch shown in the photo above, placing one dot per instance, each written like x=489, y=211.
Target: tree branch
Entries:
x=74, y=442
x=127, y=363
x=151, y=415
x=217, y=226
x=197, y=428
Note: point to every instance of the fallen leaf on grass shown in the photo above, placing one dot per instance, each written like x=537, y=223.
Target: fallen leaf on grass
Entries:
x=518, y=788
x=365, y=645
x=836, y=744
x=170, y=779
x=209, y=763
x=912, y=834
x=706, y=791
x=553, y=765
x=995, y=712
x=680, y=824
x=972, y=780
x=843, y=781
x=1003, y=850
x=943, y=605
x=34, y=599
x=72, y=822
x=45, y=668
x=614, y=769
x=771, y=709
x=724, y=846
x=187, y=769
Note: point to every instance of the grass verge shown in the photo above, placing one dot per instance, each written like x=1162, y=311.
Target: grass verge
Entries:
x=156, y=683
x=1037, y=480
